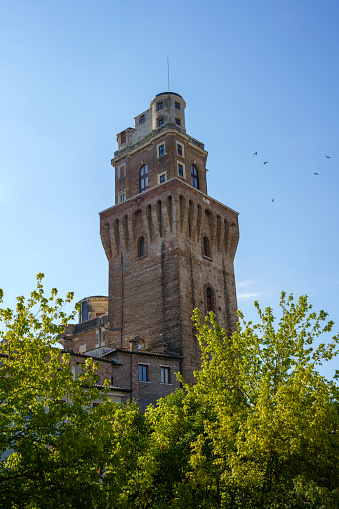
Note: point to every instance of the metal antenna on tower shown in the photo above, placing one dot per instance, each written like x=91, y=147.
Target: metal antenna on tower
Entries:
x=168, y=74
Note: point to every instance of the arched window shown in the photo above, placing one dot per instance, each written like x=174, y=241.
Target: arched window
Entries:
x=141, y=247
x=206, y=247
x=209, y=303
x=194, y=176
x=143, y=178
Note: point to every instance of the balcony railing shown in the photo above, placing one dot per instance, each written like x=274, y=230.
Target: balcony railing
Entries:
x=91, y=324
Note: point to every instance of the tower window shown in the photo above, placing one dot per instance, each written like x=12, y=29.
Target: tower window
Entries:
x=141, y=247
x=161, y=150
x=177, y=105
x=121, y=171
x=122, y=197
x=209, y=304
x=180, y=170
x=142, y=119
x=143, y=373
x=143, y=178
x=162, y=178
x=179, y=149
x=206, y=247
x=194, y=176
x=160, y=105
x=165, y=375
x=161, y=122
x=177, y=121
x=123, y=138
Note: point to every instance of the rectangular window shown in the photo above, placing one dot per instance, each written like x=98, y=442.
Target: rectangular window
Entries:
x=162, y=178
x=161, y=122
x=161, y=150
x=180, y=170
x=142, y=119
x=177, y=106
x=143, y=373
x=77, y=370
x=123, y=138
x=177, y=121
x=121, y=171
x=165, y=375
x=179, y=149
x=160, y=105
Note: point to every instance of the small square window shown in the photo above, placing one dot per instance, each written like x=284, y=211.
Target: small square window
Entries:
x=180, y=170
x=179, y=149
x=160, y=105
x=165, y=375
x=143, y=373
x=161, y=150
x=177, y=106
x=161, y=122
x=162, y=178
x=177, y=121
x=142, y=119
x=122, y=198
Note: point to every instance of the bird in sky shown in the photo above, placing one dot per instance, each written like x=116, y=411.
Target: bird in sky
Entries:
x=255, y=153
x=315, y=173
x=266, y=162
x=328, y=157
x=272, y=200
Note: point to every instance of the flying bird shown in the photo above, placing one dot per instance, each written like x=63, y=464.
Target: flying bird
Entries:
x=255, y=153
x=328, y=157
x=315, y=173
x=272, y=200
x=266, y=162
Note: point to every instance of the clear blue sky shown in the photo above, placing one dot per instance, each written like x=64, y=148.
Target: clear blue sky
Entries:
x=256, y=75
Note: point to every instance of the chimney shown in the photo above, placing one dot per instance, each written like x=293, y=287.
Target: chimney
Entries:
x=133, y=345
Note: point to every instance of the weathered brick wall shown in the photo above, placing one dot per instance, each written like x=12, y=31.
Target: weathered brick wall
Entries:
x=133, y=160
x=85, y=341
x=159, y=291
x=145, y=392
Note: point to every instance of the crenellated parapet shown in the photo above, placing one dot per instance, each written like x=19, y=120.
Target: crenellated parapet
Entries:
x=170, y=211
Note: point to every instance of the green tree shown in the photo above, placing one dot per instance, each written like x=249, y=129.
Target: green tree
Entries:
x=275, y=439
x=51, y=442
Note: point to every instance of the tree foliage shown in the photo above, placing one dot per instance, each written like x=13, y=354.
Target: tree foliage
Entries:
x=49, y=438
x=258, y=429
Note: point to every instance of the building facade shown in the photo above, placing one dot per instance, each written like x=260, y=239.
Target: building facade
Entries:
x=170, y=248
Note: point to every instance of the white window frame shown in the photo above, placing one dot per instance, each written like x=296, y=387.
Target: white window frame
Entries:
x=160, y=174
x=122, y=193
x=182, y=148
x=184, y=169
x=121, y=171
x=148, y=370
x=169, y=375
x=160, y=145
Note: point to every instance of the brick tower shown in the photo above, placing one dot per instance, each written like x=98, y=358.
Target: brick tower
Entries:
x=169, y=245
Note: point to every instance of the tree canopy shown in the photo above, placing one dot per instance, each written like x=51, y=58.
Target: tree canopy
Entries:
x=258, y=429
